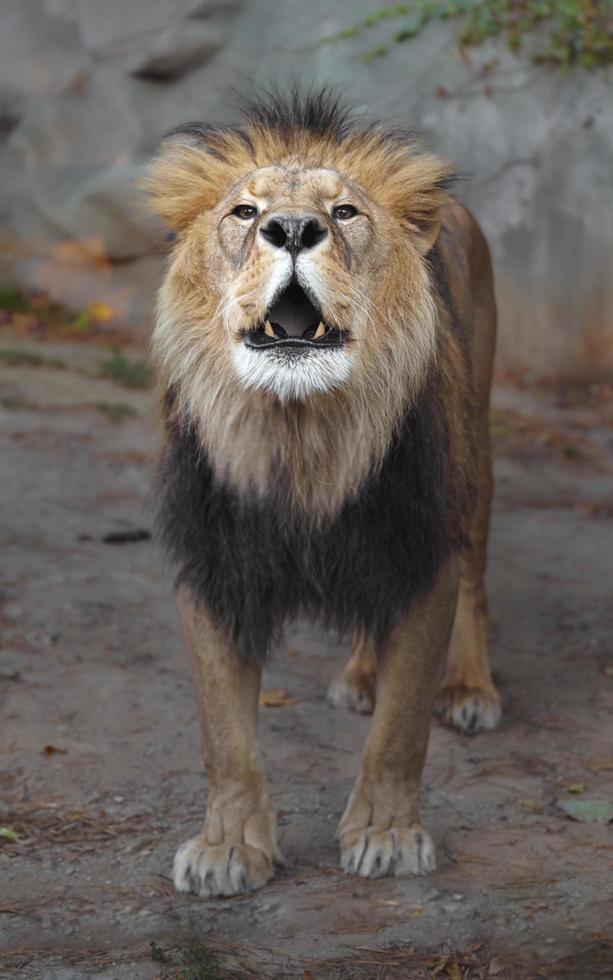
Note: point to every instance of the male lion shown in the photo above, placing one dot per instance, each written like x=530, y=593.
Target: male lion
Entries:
x=324, y=344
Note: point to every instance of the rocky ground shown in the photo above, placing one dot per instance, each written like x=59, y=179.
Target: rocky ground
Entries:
x=100, y=753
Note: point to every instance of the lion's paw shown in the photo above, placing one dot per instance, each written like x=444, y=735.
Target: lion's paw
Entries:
x=220, y=870
x=469, y=709
x=400, y=851
x=353, y=691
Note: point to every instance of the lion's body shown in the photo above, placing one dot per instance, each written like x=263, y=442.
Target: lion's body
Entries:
x=256, y=561
x=347, y=482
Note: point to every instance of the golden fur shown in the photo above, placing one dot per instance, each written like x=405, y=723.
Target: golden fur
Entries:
x=329, y=445
x=406, y=334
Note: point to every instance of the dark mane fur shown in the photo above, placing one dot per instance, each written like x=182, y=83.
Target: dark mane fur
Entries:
x=320, y=112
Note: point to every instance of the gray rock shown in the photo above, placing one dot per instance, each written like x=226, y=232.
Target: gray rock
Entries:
x=178, y=50
x=87, y=88
x=207, y=8
x=112, y=28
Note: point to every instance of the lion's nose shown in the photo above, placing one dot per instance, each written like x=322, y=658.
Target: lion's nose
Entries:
x=294, y=233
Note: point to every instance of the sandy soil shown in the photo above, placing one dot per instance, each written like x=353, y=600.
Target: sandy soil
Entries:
x=100, y=753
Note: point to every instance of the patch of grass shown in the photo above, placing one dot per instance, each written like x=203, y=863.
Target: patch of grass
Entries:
x=34, y=313
x=130, y=374
x=12, y=298
x=199, y=964
x=14, y=357
x=12, y=403
x=193, y=963
x=115, y=411
x=565, y=32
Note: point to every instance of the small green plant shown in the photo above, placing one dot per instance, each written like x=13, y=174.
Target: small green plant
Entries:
x=157, y=953
x=14, y=357
x=115, y=411
x=130, y=374
x=7, y=833
x=565, y=32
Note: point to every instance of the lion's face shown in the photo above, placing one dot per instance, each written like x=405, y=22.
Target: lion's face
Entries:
x=301, y=259
x=300, y=263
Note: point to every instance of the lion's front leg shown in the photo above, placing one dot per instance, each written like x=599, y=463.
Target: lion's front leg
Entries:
x=380, y=832
x=236, y=850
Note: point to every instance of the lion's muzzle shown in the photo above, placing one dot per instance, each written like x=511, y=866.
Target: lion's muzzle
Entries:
x=294, y=323
x=293, y=352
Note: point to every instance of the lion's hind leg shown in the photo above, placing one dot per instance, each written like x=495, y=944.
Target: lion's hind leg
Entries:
x=468, y=699
x=354, y=687
x=380, y=832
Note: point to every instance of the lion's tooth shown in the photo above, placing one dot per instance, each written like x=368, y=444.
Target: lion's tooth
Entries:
x=320, y=331
x=268, y=329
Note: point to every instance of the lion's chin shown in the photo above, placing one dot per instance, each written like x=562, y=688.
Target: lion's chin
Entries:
x=292, y=374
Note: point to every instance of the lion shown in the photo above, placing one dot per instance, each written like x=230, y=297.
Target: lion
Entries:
x=324, y=342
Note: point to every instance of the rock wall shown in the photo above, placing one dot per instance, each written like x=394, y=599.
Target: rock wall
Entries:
x=87, y=87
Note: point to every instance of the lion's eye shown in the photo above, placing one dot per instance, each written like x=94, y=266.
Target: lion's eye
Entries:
x=245, y=211
x=344, y=211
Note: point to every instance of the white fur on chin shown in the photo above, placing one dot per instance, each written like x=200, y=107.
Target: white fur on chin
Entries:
x=292, y=378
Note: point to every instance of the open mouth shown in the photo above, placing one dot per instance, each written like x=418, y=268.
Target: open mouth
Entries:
x=294, y=321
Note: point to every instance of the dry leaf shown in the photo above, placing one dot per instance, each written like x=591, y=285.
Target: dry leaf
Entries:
x=599, y=765
x=451, y=968
x=53, y=750
x=596, y=811
x=100, y=311
x=277, y=698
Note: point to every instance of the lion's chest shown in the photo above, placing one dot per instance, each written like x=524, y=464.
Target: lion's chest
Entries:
x=255, y=562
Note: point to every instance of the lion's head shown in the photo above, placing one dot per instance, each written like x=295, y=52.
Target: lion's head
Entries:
x=299, y=275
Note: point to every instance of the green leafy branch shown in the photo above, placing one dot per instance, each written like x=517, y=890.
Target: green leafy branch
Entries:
x=566, y=32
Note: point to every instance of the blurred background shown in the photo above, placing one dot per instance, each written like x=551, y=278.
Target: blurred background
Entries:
x=517, y=94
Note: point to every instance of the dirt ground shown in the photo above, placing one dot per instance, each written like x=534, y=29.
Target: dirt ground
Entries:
x=100, y=751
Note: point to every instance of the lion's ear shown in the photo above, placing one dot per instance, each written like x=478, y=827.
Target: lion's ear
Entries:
x=419, y=190
x=428, y=229
x=192, y=171
x=178, y=183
